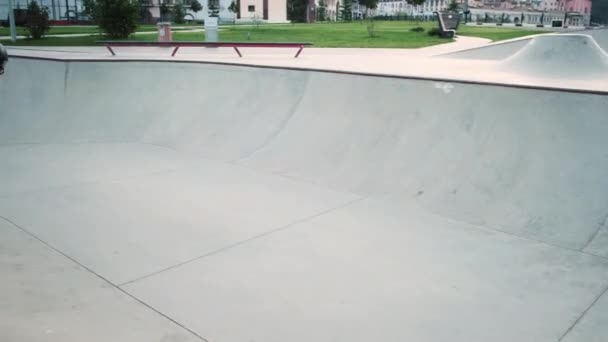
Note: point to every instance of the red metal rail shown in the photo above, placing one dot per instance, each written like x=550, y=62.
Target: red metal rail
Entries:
x=176, y=45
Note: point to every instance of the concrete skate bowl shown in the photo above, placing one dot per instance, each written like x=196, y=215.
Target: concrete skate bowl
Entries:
x=506, y=49
x=271, y=204
x=566, y=55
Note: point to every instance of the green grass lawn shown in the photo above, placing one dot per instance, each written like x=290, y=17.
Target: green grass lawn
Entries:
x=495, y=33
x=388, y=34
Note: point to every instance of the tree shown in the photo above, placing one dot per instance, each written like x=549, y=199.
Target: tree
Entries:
x=88, y=7
x=195, y=6
x=453, y=6
x=542, y=20
x=235, y=9
x=599, y=11
x=178, y=13
x=165, y=11
x=338, y=10
x=346, y=12
x=214, y=8
x=322, y=11
x=144, y=14
x=370, y=5
x=416, y=3
x=296, y=10
x=117, y=18
x=37, y=22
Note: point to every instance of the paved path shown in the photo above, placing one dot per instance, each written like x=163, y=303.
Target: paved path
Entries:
x=402, y=62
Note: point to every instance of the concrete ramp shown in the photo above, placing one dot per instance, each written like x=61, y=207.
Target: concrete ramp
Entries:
x=235, y=203
x=496, y=51
x=504, y=49
x=566, y=55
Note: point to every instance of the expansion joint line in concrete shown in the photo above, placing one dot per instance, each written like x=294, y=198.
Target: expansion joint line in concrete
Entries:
x=523, y=237
x=603, y=292
x=102, y=278
x=242, y=242
x=602, y=224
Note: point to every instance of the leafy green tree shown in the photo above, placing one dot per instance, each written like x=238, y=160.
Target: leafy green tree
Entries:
x=346, y=12
x=178, y=13
x=453, y=6
x=296, y=10
x=117, y=18
x=234, y=8
x=165, y=11
x=322, y=11
x=370, y=5
x=338, y=10
x=88, y=6
x=599, y=11
x=37, y=22
x=416, y=3
x=144, y=13
x=214, y=8
x=195, y=6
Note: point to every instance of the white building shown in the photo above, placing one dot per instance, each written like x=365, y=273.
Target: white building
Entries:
x=274, y=11
x=57, y=8
x=548, y=5
x=401, y=7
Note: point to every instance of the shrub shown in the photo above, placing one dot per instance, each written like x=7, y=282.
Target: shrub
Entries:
x=434, y=31
x=37, y=23
x=371, y=29
x=117, y=18
x=417, y=29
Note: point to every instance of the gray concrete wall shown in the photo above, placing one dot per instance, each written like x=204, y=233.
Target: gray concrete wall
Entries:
x=530, y=162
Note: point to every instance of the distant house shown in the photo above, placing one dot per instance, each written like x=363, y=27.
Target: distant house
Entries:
x=401, y=7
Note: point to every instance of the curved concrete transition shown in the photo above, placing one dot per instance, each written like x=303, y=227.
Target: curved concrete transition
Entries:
x=155, y=201
x=507, y=48
x=563, y=55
